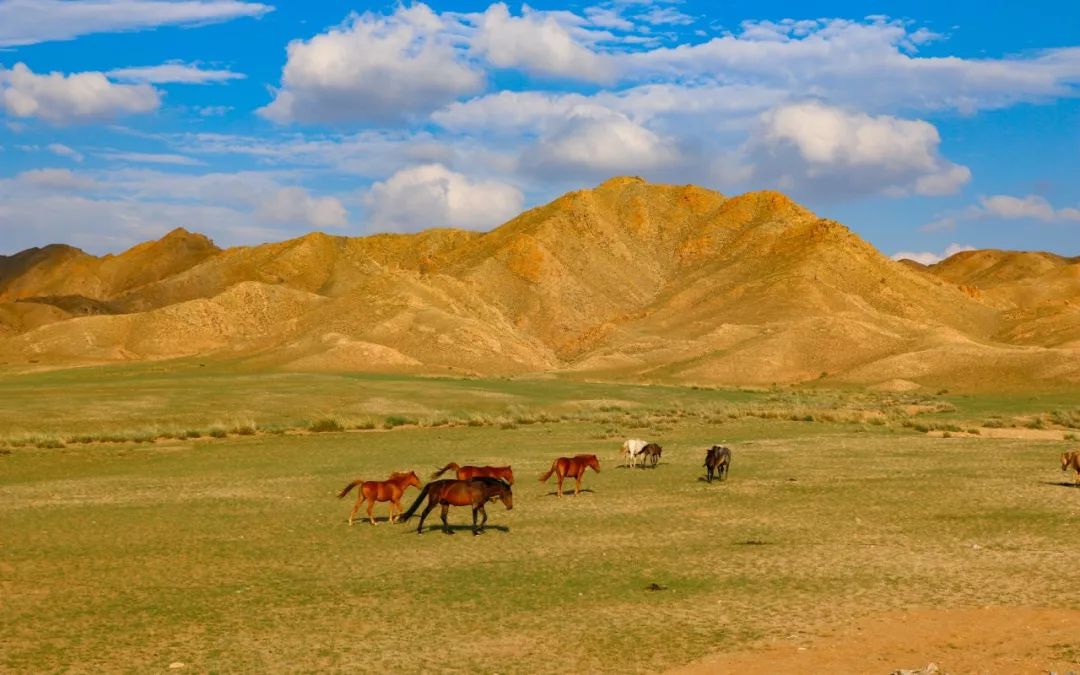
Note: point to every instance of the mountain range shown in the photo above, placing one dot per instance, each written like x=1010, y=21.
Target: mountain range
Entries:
x=629, y=280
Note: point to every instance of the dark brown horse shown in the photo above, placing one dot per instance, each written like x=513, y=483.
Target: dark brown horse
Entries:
x=467, y=472
x=718, y=460
x=651, y=454
x=571, y=466
x=389, y=490
x=448, y=492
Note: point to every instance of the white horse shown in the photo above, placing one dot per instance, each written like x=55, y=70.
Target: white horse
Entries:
x=630, y=451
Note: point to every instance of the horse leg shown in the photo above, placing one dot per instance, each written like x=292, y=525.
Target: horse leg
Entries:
x=478, y=509
x=446, y=525
x=359, y=501
x=428, y=509
x=371, y=510
x=577, y=484
x=395, y=510
x=558, y=490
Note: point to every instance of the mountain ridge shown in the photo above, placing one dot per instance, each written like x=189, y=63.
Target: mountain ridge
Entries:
x=626, y=280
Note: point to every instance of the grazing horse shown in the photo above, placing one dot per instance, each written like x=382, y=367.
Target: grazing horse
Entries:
x=651, y=454
x=448, y=492
x=571, y=466
x=389, y=490
x=631, y=448
x=467, y=472
x=1071, y=460
x=718, y=460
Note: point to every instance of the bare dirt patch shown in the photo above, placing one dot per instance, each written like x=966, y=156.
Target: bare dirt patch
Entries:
x=984, y=640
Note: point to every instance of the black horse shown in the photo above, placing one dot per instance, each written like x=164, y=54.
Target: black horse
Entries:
x=718, y=461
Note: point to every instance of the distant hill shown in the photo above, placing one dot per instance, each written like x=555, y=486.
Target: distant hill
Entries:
x=628, y=280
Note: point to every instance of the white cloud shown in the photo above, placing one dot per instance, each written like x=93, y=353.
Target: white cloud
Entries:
x=538, y=44
x=598, y=142
x=835, y=151
x=871, y=65
x=153, y=158
x=64, y=151
x=929, y=257
x=179, y=73
x=296, y=205
x=1031, y=207
x=55, y=179
x=25, y=22
x=431, y=195
x=373, y=69
x=77, y=97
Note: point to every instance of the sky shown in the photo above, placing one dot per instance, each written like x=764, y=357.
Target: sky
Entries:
x=928, y=128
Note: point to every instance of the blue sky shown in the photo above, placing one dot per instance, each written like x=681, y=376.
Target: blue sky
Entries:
x=927, y=128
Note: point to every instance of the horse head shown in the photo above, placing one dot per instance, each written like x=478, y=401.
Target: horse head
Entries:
x=412, y=479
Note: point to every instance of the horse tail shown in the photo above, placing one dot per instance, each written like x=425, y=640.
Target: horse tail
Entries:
x=415, y=505
x=451, y=465
x=348, y=487
x=543, y=479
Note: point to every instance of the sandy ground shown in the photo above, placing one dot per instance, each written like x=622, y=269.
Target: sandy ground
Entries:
x=985, y=640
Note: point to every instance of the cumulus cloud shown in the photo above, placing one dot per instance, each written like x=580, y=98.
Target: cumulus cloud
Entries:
x=107, y=210
x=599, y=142
x=176, y=73
x=296, y=205
x=25, y=22
x=929, y=257
x=373, y=69
x=830, y=150
x=432, y=195
x=76, y=97
x=873, y=65
x=538, y=44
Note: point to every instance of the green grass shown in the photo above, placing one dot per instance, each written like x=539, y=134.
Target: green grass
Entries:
x=160, y=513
x=237, y=556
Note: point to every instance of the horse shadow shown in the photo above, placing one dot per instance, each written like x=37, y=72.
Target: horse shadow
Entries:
x=1064, y=484
x=464, y=528
x=568, y=493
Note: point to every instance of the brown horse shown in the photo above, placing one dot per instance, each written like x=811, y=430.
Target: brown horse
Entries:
x=389, y=490
x=467, y=472
x=571, y=466
x=1071, y=460
x=718, y=460
x=449, y=492
x=651, y=454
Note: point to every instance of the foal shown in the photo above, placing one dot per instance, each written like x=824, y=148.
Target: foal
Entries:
x=389, y=490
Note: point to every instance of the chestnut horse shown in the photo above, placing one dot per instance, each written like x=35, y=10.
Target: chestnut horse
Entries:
x=467, y=472
x=389, y=490
x=718, y=460
x=448, y=492
x=1071, y=460
x=571, y=466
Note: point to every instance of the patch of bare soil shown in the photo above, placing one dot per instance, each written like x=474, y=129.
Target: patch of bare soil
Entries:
x=986, y=640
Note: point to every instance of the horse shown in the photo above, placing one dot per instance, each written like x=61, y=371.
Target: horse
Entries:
x=475, y=492
x=717, y=459
x=466, y=472
x=631, y=448
x=389, y=490
x=571, y=466
x=651, y=453
x=1071, y=460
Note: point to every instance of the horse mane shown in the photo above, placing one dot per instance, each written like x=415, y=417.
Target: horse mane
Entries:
x=488, y=480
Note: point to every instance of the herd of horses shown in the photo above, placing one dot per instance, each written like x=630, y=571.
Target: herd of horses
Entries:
x=475, y=486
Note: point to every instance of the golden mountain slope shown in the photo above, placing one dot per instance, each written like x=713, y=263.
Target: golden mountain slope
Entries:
x=629, y=279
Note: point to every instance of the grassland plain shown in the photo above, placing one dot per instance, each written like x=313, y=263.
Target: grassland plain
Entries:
x=233, y=555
